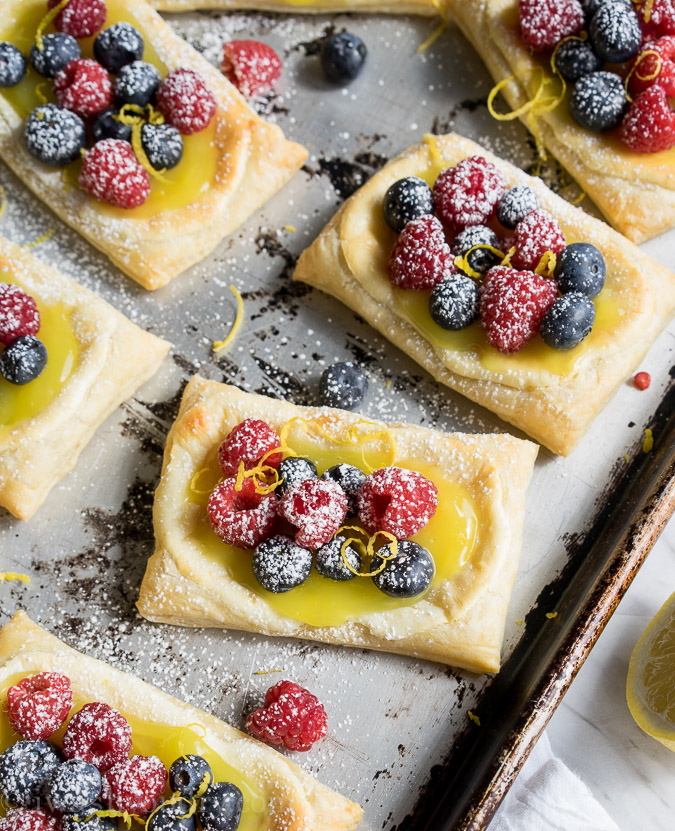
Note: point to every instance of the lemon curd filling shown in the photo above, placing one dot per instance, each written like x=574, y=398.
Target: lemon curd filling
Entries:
x=168, y=743
x=20, y=403
x=183, y=185
x=451, y=536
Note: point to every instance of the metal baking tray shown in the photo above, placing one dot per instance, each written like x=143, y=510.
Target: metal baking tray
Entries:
x=401, y=741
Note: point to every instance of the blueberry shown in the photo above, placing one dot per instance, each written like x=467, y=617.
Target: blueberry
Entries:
x=163, y=145
x=598, y=101
x=515, y=205
x=117, y=46
x=107, y=126
x=330, y=560
x=23, y=360
x=88, y=821
x=408, y=574
x=24, y=769
x=137, y=83
x=12, y=65
x=576, y=58
x=407, y=199
x=343, y=56
x=590, y=7
x=568, y=321
x=280, y=564
x=343, y=385
x=72, y=786
x=580, y=267
x=220, y=808
x=293, y=470
x=350, y=479
x=57, y=51
x=482, y=259
x=54, y=136
x=187, y=774
x=454, y=302
x=615, y=32
x=172, y=816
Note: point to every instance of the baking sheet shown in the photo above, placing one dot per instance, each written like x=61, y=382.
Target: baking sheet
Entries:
x=392, y=719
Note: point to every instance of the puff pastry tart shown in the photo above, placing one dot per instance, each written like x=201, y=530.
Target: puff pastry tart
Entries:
x=550, y=385
x=95, y=359
x=635, y=190
x=390, y=537
x=96, y=716
x=174, y=159
x=425, y=7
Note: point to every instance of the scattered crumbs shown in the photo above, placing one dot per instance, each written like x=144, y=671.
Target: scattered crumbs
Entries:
x=519, y=622
x=474, y=718
x=648, y=442
x=13, y=576
x=551, y=615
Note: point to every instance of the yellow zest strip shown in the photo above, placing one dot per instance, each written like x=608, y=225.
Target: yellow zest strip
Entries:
x=462, y=263
x=195, y=480
x=39, y=92
x=579, y=199
x=263, y=470
x=154, y=116
x=634, y=70
x=171, y=801
x=46, y=20
x=474, y=718
x=367, y=549
x=648, y=10
x=123, y=815
x=266, y=671
x=46, y=236
x=137, y=144
x=546, y=265
x=625, y=458
x=507, y=259
x=13, y=576
x=3, y=200
x=433, y=37
x=221, y=344
x=290, y=228
x=551, y=615
x=648, y=442
x=432, y=142
x=519, y=622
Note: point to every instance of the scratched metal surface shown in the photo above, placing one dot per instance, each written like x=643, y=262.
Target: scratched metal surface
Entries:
x=392, y=719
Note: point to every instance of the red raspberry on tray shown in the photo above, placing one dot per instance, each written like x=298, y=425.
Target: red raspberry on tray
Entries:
x=397, y=500
x=292, y=716
x=543, y=23
x=654, y=69
x=29, y=819
x=84, y=87
x=80, y=18
x=134, y=785
x=98, y=734
x=649, y=125
x=185, y=101
x=18, y=313
x=538, y=233
x=111, y=172
x=512, y=306
x=38, y=705
x=241, y=518
x=468, y=193
x=421, y=256
x=316, y=508
x=253, y=67
x=248, y=442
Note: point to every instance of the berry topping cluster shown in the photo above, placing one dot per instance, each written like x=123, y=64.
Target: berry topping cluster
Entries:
x=90, y=780
x=489, y=253
x=24, y=355
x=618, y=57
x=275, y=503
x=116, y=104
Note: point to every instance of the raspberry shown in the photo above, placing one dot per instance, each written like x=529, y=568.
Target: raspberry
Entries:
x=248, y=442
x=293, y=716
x=253, y=67
x=80, y=18
x=84, y=87
x=662, y=68
x=37, y=706
x=543, y=23
x=241, y=518
x=642, y=380
x=134, y=785
x=649, y=125
x=111, y=173
x=28, y=819
x=512, y=306
x=316, y=508
x=397, y=500
x=661, y=18
x=538, y=233
x=468, y=193
x=421, y=256
x=185, y=101
x=18, y=313
x=98, y=734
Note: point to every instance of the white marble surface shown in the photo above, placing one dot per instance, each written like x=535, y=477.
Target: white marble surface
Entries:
x=593, y=733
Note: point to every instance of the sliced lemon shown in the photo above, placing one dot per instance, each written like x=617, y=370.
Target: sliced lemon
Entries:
x=650, y=689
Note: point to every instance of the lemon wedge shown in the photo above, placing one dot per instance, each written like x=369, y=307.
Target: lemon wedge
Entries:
x=650, y=689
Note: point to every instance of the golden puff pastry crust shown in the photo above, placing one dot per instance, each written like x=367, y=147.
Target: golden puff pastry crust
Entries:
x=425, y=7
x=115, y=358
x=555, y=407
x=301, y=802
x=635, y=191
x=461, y=622
x=254, y=160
